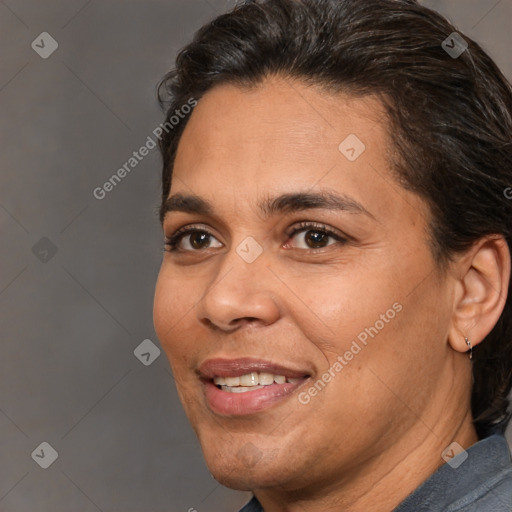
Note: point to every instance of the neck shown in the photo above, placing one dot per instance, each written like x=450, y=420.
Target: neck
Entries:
x=387, y=480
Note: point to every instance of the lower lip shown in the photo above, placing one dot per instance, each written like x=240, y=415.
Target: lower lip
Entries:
x=250, y=402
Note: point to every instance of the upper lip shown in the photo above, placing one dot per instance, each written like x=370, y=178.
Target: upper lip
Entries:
x=220, y=367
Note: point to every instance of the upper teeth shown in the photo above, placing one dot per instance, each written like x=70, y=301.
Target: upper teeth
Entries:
x=252, y=379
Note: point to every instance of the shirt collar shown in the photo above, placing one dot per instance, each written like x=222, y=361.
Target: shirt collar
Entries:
x=488, y=461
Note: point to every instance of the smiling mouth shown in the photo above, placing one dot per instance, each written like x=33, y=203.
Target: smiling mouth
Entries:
x=244, y=386
x=252, y=381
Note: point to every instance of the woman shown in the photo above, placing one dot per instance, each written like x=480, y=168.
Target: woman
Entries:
x=333, y=298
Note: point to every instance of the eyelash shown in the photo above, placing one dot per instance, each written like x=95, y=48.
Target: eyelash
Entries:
x=171, y=243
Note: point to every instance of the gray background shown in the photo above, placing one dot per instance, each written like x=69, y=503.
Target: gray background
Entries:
x=70, y=321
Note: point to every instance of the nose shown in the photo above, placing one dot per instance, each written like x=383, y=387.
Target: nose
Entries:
x=240, y=293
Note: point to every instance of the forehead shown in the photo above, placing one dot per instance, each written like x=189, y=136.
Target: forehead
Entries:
x=278, y=120
x=283, y=136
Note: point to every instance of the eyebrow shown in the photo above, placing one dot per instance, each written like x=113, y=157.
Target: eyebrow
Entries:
x=285, y=203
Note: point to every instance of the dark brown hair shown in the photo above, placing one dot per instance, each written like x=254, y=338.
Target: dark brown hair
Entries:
x=450, y=118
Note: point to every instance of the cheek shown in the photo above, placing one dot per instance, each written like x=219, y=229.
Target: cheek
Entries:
x=381, y=322
x=334, y=309
x=173, y=304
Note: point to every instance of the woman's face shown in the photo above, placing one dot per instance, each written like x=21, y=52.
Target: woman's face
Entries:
x=307, y=290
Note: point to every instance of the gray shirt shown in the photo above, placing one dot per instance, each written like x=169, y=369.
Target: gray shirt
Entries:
x=482, y=483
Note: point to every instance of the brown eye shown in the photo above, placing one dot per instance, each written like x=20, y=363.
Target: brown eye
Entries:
x=199, y=240
x=316, y=239
x=311, y=237
x=191, y=240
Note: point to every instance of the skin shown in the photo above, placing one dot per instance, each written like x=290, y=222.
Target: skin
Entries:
x=378, y=429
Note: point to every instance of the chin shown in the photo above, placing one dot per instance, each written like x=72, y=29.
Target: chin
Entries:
x=247, y=468
x=235, y=481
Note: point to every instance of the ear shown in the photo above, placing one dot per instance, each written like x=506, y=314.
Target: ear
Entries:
x=483, y=275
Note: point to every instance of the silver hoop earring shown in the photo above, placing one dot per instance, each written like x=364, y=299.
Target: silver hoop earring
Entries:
x=468, y=343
